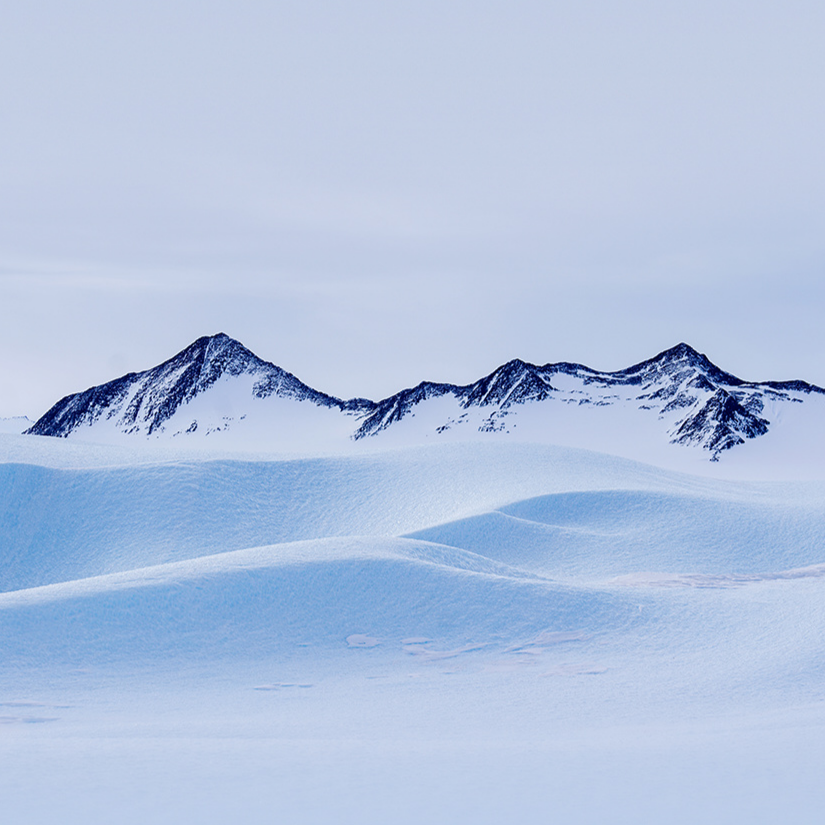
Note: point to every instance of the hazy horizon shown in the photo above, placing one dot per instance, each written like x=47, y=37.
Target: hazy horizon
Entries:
x=372, y=196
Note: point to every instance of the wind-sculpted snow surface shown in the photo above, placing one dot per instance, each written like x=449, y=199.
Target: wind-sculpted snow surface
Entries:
x=218, y=388
x=598, y=534
x=457, y=633
x=60, y=523
x=261, y=603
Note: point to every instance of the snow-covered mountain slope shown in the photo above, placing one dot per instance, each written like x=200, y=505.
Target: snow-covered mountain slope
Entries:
x=678, y=397
x=213, y=386
x=218, y=388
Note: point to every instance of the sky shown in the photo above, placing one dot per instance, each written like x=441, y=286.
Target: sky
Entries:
x=371, y=194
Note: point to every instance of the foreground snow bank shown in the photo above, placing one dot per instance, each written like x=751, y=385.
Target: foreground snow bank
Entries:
x=470, y=633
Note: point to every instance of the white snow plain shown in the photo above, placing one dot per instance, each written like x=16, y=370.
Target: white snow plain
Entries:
x=454, y=633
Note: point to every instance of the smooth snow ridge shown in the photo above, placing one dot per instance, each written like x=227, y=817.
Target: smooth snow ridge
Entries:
x=262, y=602
x=60, y=524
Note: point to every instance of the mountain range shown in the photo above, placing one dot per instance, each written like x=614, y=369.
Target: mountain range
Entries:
x=218, y=386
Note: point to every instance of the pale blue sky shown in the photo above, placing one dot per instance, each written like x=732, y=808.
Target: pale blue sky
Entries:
x=371, y=193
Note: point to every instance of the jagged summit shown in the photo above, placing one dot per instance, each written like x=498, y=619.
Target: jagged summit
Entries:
x=216, y=384
x=219, y=350
x=145, y=402
x=682, y=352
x=697, y=403
x=682, y=357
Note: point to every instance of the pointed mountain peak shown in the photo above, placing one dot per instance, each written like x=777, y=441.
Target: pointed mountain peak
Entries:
x=214, y=344
x=143, y=402
x=516, y=365
x=222, y=341
x=681, y=350
x=213, y=355
x=682, y=353
x=676, y=358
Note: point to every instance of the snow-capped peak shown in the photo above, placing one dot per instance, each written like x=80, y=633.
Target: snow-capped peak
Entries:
x=144, y=402
x=216, y=384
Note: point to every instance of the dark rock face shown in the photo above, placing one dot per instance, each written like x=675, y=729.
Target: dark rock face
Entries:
x=697, y=403
x=151, y=398
x=713, y=409
x=721, y=423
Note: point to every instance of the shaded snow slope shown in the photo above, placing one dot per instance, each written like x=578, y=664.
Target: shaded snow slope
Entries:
x=262, y=602
x=598, y=534
x=60, y=524
x=560, y=630
x=217, y=390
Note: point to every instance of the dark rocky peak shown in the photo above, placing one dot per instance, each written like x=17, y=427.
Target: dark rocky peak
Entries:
x=679, y=362
x=212, y=356
x=144, y=401
x=381, y=414
x=682, y=352
x=514, y=382
x=499, y=384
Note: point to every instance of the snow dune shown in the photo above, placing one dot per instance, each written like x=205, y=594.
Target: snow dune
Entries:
x=455, y=633
x=603, y=533
x=261, y=603
x=60, y=524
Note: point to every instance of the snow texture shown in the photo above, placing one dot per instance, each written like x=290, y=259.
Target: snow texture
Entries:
x=460, y=631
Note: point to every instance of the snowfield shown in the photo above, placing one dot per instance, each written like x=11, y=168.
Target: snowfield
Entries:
x=455, y=632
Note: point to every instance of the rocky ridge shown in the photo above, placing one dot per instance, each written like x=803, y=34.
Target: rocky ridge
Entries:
x=695, y=402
